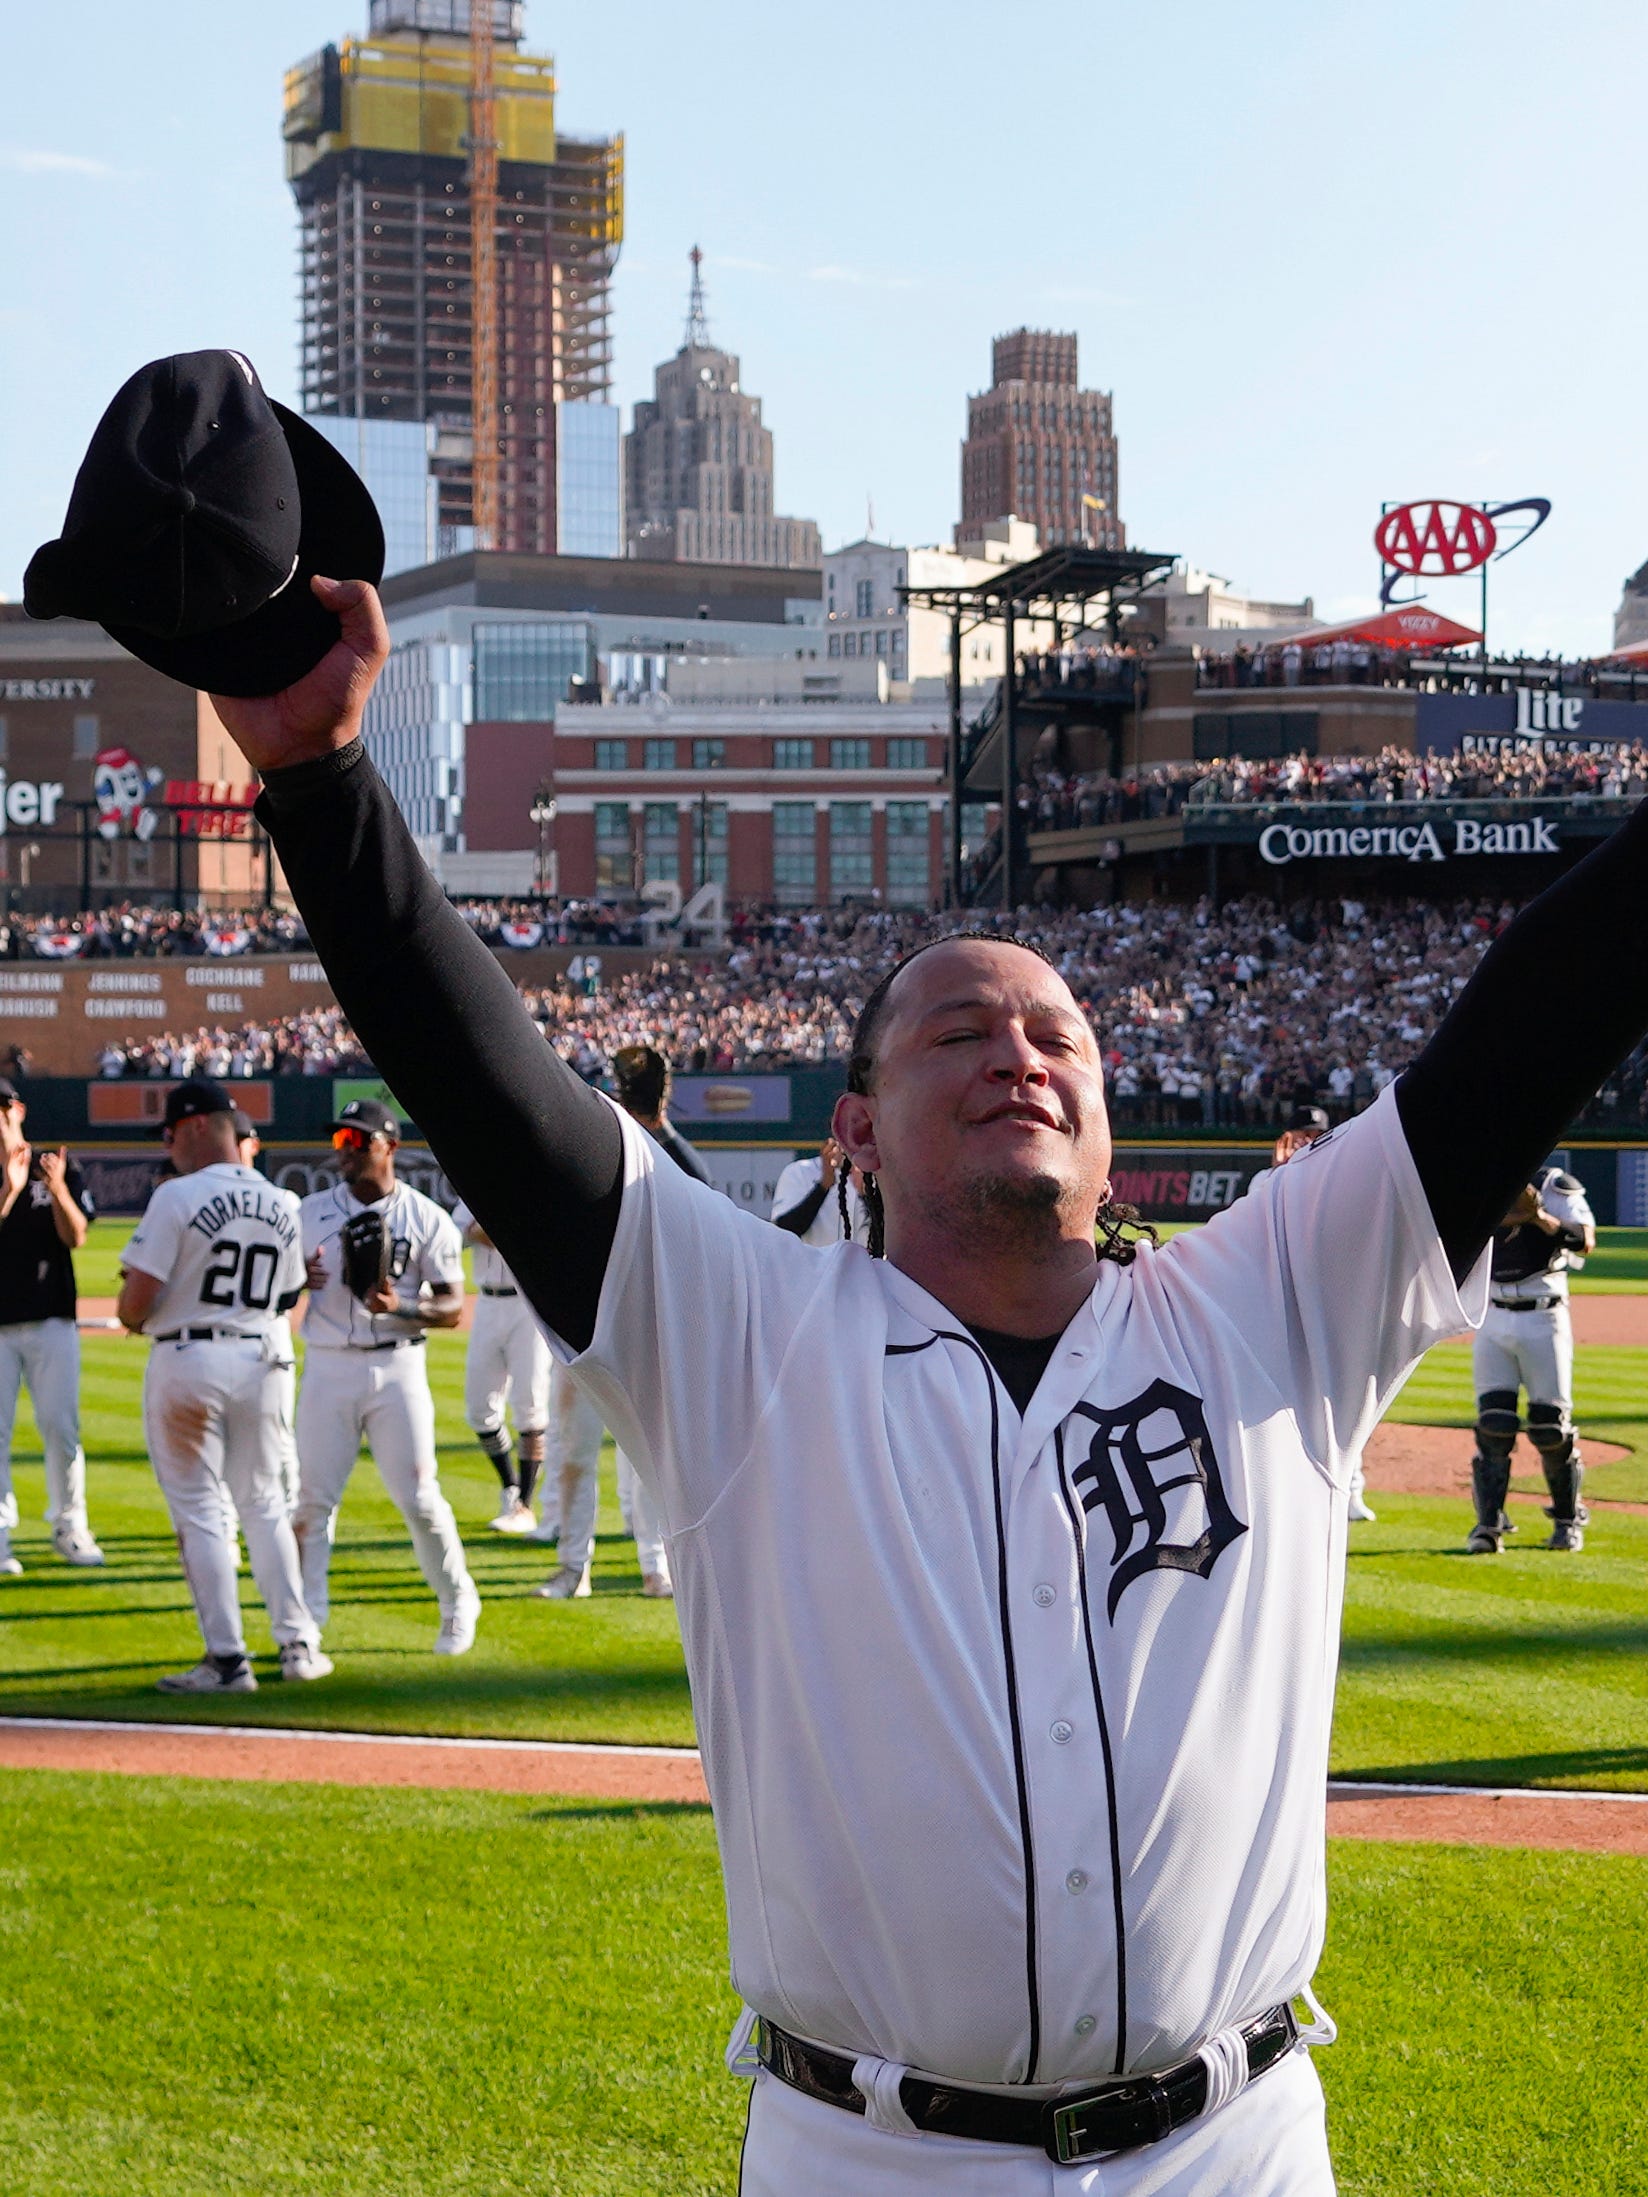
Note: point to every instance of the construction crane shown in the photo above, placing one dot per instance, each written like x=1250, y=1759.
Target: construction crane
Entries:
x=483, y=268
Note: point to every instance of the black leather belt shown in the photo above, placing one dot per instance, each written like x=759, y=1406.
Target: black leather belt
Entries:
x=486, y=1292
x=400, y=1342
x=206, y=1335
x=1523, y=1304
x=1116, y=2116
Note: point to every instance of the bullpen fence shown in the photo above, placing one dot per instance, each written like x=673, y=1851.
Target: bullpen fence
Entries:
x=748, y=1129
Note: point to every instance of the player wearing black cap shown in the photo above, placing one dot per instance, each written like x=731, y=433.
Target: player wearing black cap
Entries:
x=45, y=1210
x=212, y=1266
x=385, y=1264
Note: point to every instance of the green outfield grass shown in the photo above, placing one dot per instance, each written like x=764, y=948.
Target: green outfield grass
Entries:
x=1610, y=1399
x=272, y=1990
x=1528, y=1669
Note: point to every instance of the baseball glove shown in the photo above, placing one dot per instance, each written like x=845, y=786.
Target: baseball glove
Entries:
x=365, y=1245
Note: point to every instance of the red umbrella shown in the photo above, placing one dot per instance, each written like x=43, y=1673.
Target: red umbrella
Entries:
x=1409, y=625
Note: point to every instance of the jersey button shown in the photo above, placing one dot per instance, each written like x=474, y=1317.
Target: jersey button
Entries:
x=1063, y=1733
x=1086, y=2026
x=1044, y=1596
x=1076, y=1881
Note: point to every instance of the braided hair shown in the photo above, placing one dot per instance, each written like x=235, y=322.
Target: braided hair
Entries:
x=1119, y=1229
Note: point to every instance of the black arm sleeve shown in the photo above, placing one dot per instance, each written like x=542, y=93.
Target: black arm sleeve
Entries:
x=801, y=1217
x=1555, y=1003
x=535, y=1154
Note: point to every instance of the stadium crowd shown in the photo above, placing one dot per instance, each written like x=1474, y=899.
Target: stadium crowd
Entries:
x=1052, y=800
x=1208, y=1016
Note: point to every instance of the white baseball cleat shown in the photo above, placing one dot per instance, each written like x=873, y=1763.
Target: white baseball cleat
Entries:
x=212, y=1675
x=300, y=1661
x=513, y=1517
x=657, y=1585
x=457, y=1633
x=10, y=1568
x=76, y=1546
x=569, y=1584
x=1359, y=1513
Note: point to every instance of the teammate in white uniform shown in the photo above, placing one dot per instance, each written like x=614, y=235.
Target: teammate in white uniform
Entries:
x=45, y=1211
x=248, y=1144
x=1010, y=1566
x=364, y=1371
x=507, y=1361
x=807, y=1201
x=215, y=1260
x=1527, y=1342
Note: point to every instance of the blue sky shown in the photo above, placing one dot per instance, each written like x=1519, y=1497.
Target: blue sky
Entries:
x=1322, y=256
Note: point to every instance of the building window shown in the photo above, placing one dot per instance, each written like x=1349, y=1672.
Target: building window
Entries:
x=658, y=755
x=849, y=644
x=523, y=671
x=612, y=755
x=795, y=853
x=906, y=755
x=708, y=754
x=864, y=598
x=660, y=843
x=852, y=867
x=709, y=843
x=835, y=644
x=85, y=740
x=849, y=755
x=792, y=755
x=974, y=815
x=909, y=883
x=614, y=853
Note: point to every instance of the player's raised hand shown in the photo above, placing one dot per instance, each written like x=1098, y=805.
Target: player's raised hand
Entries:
x=54, y=1168
x=18, y=1158
x=323, y=710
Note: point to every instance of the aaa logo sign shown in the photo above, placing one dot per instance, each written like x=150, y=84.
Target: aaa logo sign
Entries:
x=1438, y=537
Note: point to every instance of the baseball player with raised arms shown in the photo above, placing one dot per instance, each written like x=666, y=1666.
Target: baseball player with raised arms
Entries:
x=214, y=1263
x=1527, y=1342
x=1012, y=1639
x=809, y=1199
x=384, y=1265
x=507, y=1360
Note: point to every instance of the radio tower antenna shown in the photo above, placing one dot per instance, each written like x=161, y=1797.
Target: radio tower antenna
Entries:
x=483, y=271
x=698, y=321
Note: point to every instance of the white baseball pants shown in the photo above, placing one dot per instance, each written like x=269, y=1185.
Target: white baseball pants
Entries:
x=574, y=1459
x=213, y=1417
x=45, y=1354
x=383, y=1396
x=507, y=1361
x=1269, y=2141
x=1531, y=1350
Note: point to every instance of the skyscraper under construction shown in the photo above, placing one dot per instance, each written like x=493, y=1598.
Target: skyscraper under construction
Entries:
x=380, y=134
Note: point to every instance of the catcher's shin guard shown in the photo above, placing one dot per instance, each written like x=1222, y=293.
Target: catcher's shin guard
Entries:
x=1490, y=1482
x=1552, y=1434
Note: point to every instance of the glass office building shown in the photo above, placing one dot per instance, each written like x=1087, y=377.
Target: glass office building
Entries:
x=392, y=458
x=589, y=505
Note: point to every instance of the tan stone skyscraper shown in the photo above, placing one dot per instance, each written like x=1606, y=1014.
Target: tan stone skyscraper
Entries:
x=1040, y=448
x=698, y=464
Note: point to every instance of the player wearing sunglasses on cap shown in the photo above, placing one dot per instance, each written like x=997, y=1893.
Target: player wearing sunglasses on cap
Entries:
x=384, y=1265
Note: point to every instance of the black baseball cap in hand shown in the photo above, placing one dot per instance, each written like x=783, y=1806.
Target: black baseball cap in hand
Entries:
x=200, y=513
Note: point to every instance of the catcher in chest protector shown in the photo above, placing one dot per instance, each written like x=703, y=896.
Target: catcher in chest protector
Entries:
x=384, y=1265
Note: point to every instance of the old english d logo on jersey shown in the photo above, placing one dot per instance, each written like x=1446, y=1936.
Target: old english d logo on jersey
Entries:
x=1153, y=1471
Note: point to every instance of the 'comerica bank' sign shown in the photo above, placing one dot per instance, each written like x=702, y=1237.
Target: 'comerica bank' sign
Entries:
x=1281, y=843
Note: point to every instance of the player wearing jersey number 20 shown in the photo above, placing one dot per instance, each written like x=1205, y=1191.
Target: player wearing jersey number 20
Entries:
x=214, y=1263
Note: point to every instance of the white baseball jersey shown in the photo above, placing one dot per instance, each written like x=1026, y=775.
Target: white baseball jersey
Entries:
x=424, y=1247
x=1563, y=1197
x=797, y=1183
x=1025, y=1783
x=226, y=1243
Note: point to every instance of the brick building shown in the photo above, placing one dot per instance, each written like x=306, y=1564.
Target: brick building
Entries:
x=1040, y=448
